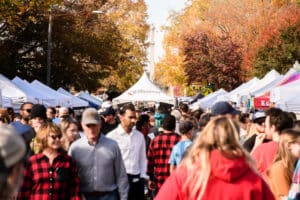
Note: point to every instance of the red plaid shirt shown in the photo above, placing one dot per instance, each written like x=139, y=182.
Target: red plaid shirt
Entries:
x=158, y=154
x=43, y=181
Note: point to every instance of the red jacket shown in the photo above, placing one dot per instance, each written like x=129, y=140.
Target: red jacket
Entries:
x=229, y=179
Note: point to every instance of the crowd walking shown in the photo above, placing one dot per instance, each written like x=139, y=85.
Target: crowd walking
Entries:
x=163, y=153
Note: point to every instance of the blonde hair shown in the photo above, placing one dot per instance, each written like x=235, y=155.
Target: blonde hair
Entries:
x=221, y=133
x=64, y=125
x=40, y=142
x=283, y=154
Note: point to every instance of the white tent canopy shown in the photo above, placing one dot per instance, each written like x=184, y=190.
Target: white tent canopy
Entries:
x=87, y=97
x=266, y=86
x=207, y=101
x=235, y=94
x=75, y=101
x=143, y=90
x=40, y=96
x=268, y=78
x=61, y=99
x=285, y=92
x=10, y=90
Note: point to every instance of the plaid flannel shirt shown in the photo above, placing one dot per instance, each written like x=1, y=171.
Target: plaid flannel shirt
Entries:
x=43, y=181
x=158, y=155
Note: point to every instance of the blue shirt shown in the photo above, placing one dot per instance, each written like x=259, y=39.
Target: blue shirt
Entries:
x=178, y=152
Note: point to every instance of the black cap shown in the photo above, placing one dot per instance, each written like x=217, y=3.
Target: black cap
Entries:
x=38, y=110
x=108, y=111
x=223, y=108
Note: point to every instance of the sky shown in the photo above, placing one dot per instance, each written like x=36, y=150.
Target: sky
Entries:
x=158, y=11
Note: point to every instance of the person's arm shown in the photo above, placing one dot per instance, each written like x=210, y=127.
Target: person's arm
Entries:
x=279, y=180
x=121, y=176
x=75, y=183
x=150, y=167
x=172, y=168
x=143, y=159
x=171, y=189
x=172, y=160
x=27, y=184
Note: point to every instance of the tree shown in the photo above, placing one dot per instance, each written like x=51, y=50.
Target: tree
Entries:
x=213, y=60
x=87, y=48
x=169, y=71
x=277, y=45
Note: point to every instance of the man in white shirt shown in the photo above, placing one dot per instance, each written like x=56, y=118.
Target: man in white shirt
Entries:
x=133, y=150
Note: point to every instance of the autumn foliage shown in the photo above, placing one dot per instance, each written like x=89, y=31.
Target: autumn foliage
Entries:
x=227, y=42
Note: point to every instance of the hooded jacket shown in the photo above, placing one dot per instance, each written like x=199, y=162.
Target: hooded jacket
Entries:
x=229, y=179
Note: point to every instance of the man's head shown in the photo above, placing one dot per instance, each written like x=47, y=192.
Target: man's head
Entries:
x=169, y=123
x=25, y=110
x=109, y=115
x=184, y=108
x=63, y=112
x=38, y=116
x=258, y=120
x=12, y=152
x=223, y=108
x=186, y=127
x=276, y=121
x=51, y=112
x=91, y=123
x=127, y=117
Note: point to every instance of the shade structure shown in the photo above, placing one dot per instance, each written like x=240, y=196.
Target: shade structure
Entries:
x=144, y=91
x=41, y=97
x=75, y=101
x=61, y=99
x=92, y=101
x=263, y=101
x=12, y=91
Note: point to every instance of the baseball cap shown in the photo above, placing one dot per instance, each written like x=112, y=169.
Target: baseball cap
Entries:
x=223, y=108
x=12, y=146
x=90, y=116
x=108, y=111
x=258, y=116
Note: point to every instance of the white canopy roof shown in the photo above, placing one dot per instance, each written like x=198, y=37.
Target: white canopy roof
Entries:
x=10, y=90
x=268, y=78
x=87, y=97
x=207, y=101
x=285, y=92
x=75, y=101
x=61, y=99
x=235, y=94
x=42, y=98
x=144, y=90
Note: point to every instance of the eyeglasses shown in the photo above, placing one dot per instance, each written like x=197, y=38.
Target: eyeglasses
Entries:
x=27, y=110
x=59, y=136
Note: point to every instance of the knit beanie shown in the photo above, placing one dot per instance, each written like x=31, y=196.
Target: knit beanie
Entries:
x=38, y=110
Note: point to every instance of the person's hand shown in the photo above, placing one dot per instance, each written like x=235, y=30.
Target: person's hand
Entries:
x=259, y=140
x=283, y=197
x=151, y=185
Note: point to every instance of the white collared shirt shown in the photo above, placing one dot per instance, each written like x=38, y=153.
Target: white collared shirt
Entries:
x=133, y=150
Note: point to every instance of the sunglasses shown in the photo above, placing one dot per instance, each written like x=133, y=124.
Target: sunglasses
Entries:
x=54, y=137
x=27, y=110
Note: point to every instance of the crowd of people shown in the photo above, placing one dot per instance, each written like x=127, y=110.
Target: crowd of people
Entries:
x=160, y=153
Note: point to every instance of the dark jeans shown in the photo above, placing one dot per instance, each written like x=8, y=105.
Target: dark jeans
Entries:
x=113, y=195
x=136, y=187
